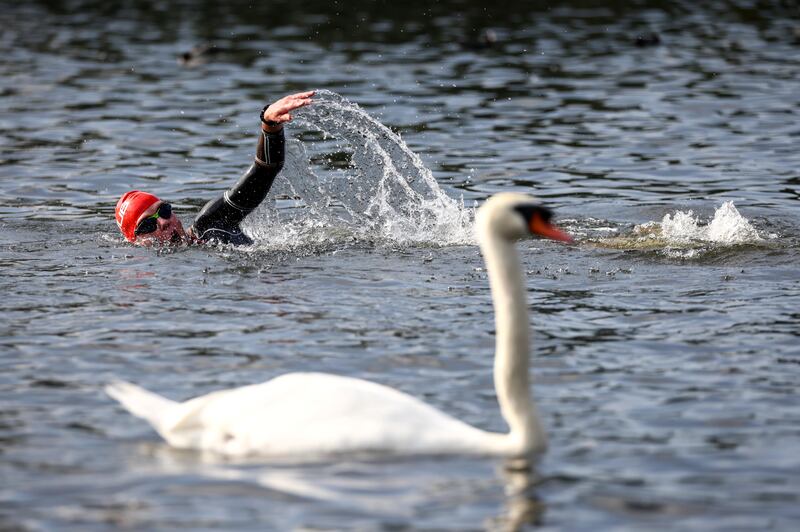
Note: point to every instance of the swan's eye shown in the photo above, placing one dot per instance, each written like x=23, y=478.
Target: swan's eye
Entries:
x=530, y=210
x=545, y=213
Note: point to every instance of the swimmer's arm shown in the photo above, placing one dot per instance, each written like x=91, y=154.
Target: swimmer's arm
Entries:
x=237, y=202
x=227, y=211
x=252, y=188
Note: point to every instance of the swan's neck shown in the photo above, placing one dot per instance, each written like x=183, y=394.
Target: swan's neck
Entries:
x=512, y=344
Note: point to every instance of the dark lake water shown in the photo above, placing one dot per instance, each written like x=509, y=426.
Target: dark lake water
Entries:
x=666, y=358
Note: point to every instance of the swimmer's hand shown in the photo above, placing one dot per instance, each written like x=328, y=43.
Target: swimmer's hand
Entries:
x=278, y=113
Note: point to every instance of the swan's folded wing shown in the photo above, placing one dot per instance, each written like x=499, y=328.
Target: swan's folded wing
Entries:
x=314, y=413
x=307, y=414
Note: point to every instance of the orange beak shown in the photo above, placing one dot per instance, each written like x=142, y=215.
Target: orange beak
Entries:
x=547, y=230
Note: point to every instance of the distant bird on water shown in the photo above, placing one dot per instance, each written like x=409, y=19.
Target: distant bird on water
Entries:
x=487, y=39
x=643, y=40
x=199, y=54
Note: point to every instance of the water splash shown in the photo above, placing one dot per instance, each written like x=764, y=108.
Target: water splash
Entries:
x=684, y=235
x=349, y=178
x=728, y=227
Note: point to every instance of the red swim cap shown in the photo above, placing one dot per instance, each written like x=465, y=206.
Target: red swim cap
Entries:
x=129, y=208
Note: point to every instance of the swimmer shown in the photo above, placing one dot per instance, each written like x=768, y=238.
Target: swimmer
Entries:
x=145, y=219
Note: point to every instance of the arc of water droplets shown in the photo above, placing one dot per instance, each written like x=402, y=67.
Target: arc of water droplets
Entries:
x=384, y=193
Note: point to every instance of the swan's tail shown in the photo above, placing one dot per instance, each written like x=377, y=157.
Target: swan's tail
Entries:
x=141, y=403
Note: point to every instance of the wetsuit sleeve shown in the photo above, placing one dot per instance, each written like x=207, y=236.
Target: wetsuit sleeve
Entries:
x=220, y=218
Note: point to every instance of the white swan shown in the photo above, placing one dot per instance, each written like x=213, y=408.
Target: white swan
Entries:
x=308, y=414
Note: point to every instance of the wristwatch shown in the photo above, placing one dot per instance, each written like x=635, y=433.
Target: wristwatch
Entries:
x=269, y=123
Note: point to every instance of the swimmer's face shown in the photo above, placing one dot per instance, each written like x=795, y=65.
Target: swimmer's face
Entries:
x=168, y=228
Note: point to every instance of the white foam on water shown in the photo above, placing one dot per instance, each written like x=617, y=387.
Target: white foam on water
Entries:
x=684, y=235
x=728, y=227
x=349, y=178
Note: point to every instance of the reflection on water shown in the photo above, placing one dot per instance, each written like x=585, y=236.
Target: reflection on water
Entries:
x=665, y=342
x=523, y=506
x=383, y=487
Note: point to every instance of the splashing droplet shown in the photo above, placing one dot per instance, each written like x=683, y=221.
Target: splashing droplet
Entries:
x=727, y=228
x=682, y=235
x=348, y=177
x=730, y=227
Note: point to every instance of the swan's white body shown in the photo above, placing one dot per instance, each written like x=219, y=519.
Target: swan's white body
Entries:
x=304, y=414
x=308, y=414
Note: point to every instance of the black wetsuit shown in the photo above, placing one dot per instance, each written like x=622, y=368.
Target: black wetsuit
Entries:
x=220, y=218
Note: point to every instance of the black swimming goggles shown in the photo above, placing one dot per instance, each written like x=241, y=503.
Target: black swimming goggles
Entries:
x=150, y=224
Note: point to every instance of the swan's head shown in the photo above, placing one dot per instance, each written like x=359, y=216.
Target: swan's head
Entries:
x=513, y=216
